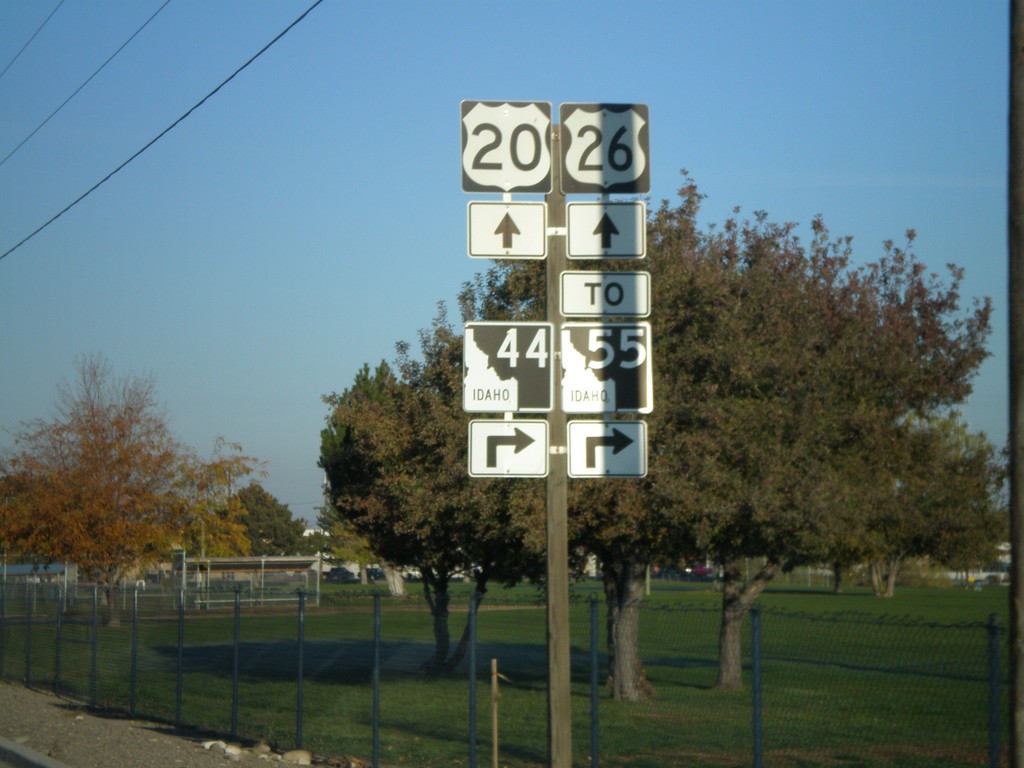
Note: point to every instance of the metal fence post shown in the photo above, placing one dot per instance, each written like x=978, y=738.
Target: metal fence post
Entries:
x=594, y=742
x=28, y=637
x=180, y=672
x=3, y=624
x=376, y=680
x=58, y=642
x=993, y=691
x=302, y=639
x=94, y=661
x=135, y=651
x=237, y=645
x=755, y=652
x=472, y=680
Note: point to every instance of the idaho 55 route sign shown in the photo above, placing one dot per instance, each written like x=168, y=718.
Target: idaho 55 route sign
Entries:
x=506, y=146
x=607, y=368
x=605, y=148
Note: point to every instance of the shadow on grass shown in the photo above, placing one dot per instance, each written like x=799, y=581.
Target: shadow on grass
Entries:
x=350, y=662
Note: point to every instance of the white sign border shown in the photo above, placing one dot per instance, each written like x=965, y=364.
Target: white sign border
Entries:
x=649, y=363
x=641, y=276
x=638, y=213
x=641, y=442
x=521, y=205
x=552, y=365
x=514, y=423
x=469, y=184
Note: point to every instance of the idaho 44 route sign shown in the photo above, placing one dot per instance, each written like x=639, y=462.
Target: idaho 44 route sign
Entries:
x=507, y=368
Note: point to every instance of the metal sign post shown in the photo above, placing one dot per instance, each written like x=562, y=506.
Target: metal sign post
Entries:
x=559, y=712
x=603, y=367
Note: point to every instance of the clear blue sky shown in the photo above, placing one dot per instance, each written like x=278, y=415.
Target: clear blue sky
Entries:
x=310, y=214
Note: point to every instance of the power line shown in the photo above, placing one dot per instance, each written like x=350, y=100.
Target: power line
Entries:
x=160, y=135
x=26, y=45
x=88, y=79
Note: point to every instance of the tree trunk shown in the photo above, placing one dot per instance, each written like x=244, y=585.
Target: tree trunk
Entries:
x=737, y=598
x=624, y=596
x=884, y=574
x=435, y=590
x=463, y=647
x=113, y=614
x=875, y=571
x=395, y=582
x=894, y=571
x=837, y=572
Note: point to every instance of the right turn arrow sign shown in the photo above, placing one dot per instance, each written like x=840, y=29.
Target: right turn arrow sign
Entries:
x=607, y=448
x=508, y=448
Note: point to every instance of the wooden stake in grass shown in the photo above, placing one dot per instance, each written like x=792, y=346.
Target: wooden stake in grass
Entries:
x=494, y=711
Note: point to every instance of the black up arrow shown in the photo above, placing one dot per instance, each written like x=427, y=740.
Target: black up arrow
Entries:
x=507, y=228
x=617, y=441
x=519, y=440
x=606, y=228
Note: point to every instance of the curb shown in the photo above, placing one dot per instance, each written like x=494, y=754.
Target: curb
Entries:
x=17, y=756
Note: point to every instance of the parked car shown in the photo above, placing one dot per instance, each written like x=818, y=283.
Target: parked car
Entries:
x=339, y=574
x=700, y=572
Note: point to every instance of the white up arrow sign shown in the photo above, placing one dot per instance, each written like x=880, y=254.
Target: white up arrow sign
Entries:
x=606, y=230
x=507, y=230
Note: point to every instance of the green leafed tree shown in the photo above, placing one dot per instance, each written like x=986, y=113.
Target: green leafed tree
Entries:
x=269, y=525
x=394, y=452
x=943, y=502
x=785, y=380
x=787, y=377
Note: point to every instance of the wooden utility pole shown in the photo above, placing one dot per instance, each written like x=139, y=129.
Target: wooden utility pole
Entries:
x=559, y=716
x=1015, y=237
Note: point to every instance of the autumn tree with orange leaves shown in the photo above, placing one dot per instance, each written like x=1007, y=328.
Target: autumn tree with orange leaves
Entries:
x=215, y=522
x=103, y=483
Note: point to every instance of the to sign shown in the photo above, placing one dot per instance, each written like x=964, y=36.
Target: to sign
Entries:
x=506, y=146
x=507, y=368
x=605, y=148
x=508, y=448
x=606, y=368
x=507, y=230
x=607, y=448
x=606, y=230
x=604, y=294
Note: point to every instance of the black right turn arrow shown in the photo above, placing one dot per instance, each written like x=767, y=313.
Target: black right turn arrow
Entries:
x=519, y=440
x=617, y=441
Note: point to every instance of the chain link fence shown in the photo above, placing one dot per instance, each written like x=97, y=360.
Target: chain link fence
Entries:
x=349, y=678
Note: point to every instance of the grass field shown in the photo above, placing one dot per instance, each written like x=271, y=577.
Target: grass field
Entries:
x=848, y=680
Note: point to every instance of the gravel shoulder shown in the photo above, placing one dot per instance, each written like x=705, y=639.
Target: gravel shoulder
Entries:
x=79, y=737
